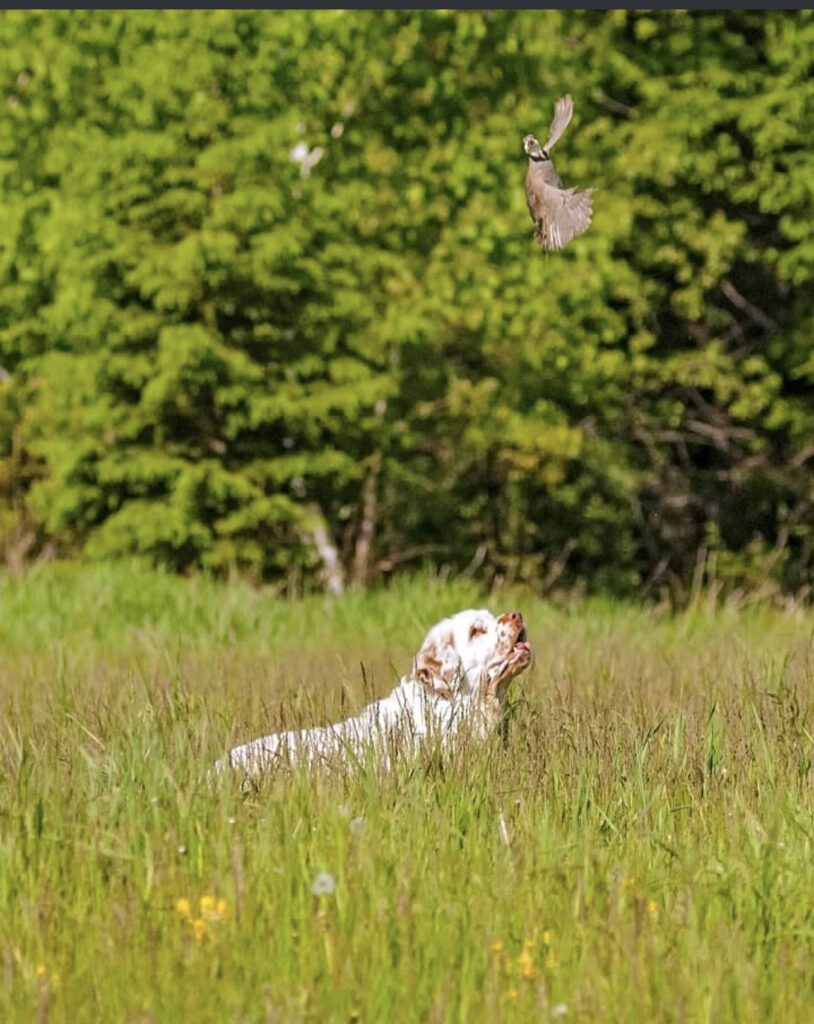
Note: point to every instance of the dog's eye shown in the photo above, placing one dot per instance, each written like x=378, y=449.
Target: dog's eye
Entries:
x=476, y=630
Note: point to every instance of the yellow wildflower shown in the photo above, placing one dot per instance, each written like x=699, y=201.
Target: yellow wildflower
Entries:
x=222, y=909
x=183, y=908
x=199, y=930
x=56, y=980
x=496, y=947
x=41, y=971
x=511, y=993
x=207, y=904
x=548, y=935
x=526, y=964
x=653, y=909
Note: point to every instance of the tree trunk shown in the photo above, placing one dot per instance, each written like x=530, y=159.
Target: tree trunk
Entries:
x=321, y=538
x=367, y=524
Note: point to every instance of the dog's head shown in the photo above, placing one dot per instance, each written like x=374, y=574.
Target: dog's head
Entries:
x=473, y=653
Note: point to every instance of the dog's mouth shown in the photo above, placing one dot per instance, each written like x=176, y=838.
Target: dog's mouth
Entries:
x=522, y=648
x=516, y=661
x=521, y=652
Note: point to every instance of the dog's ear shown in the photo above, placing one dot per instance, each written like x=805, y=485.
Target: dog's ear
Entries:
x=437, y=665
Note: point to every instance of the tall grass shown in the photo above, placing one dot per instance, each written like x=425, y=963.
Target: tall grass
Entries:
x=640, y=849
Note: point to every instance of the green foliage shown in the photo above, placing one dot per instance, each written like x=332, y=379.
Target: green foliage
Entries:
x=244, y=361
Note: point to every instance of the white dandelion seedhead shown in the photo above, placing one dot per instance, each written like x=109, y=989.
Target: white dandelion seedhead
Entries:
x=299, y=153
x=306, y=157
x=323, y=884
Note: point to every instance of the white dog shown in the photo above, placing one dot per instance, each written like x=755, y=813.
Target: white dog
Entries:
x=458, y=684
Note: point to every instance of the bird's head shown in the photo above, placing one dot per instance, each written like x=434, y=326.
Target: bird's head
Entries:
x=534, y=149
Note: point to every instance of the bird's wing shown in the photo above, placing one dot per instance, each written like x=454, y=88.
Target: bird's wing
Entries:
x=563, y=112
x=559, y=214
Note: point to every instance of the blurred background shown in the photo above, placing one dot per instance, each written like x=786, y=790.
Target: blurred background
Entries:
x=270, y=304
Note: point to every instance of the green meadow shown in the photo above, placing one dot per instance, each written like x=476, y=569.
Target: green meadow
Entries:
x=639, y=849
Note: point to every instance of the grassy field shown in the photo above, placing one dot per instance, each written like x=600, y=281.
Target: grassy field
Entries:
x=641, y=850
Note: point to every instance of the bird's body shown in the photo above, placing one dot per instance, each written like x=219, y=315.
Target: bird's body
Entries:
x=558, y=213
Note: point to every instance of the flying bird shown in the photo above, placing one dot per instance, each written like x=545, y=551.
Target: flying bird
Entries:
x=558, y=213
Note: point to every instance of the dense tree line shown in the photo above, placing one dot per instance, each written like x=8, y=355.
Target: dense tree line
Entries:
x=270, y=303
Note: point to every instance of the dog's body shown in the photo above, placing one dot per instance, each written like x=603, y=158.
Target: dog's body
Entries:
x=457, y=687
x=403, y=720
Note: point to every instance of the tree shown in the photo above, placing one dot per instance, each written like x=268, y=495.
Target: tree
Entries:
x=270, y=290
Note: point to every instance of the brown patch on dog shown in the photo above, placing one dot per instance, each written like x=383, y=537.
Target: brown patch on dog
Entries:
x=429, y=671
